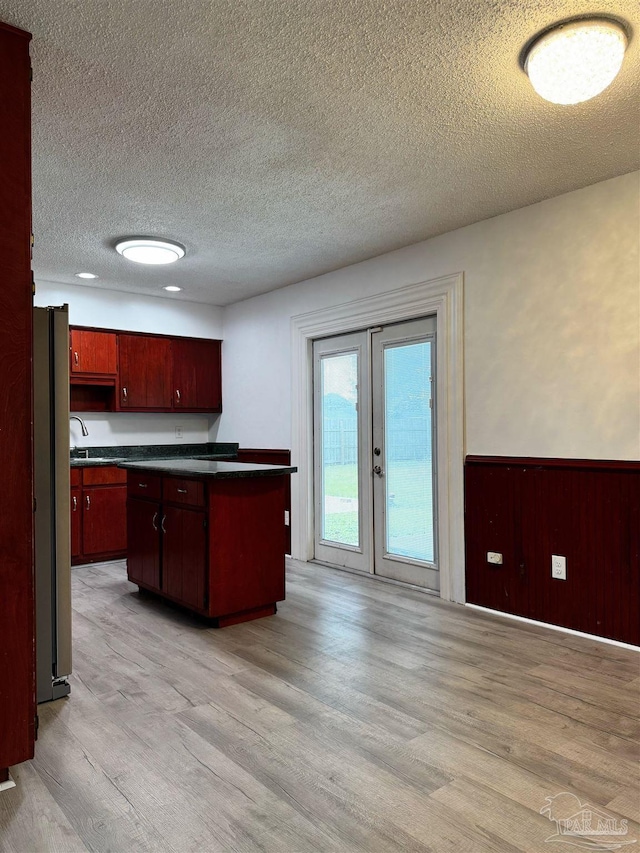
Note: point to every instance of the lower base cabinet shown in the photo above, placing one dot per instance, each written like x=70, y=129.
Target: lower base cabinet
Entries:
x=98, y=514
x=216, y=546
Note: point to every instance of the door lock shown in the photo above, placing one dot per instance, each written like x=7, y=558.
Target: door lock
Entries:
x=377, y=470
x=376, y=451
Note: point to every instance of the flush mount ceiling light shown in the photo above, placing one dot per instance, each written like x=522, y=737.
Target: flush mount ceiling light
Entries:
x=576, y=60
x=173, y=288
x=149, y=250
x=85, y=275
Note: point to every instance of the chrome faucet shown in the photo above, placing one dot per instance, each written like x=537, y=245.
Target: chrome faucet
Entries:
x=85, y=431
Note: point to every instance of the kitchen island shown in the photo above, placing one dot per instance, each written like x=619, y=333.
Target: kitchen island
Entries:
x=208, y=535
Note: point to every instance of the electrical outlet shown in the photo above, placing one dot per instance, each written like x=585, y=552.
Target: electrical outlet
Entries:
x=558, y=567
x=178, y=432
x=286, y=517
x=494, y=557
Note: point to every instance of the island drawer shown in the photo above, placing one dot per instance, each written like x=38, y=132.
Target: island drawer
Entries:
x=183, y=491
x=144, y=485
x=75, y=477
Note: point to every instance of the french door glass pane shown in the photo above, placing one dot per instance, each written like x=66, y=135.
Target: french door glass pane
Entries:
x=339, y=397
x=408, y=451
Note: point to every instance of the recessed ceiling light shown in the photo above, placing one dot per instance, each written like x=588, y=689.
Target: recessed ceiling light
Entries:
x=576, y=60
x=85, y=275
x=149, y=250
x=172, y=288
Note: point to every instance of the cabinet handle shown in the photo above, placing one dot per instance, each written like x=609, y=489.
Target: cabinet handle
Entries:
x=88, y=501
x=177, y=396
x=164, y=518
x=75, y=358
x=181, y=491
x=143, y=485
x=124, y=394
x=153, y=521
x=75, y=503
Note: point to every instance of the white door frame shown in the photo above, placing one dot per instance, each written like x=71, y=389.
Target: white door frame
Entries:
x=444, y=298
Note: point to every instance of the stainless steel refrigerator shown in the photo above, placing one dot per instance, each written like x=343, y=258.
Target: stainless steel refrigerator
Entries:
x=51, y=487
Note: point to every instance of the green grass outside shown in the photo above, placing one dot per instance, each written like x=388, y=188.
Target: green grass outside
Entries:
x=409, y=512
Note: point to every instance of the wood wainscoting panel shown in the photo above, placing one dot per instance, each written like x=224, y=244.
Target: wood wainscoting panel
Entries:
x=530, y=509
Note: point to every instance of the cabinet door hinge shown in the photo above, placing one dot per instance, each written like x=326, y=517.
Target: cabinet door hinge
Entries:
x=205, y=523
x=31, y=73
x=35, y=504
x=36, y=726
x=33, y=284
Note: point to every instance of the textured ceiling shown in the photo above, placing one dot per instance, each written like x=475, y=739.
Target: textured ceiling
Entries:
x=280, y=139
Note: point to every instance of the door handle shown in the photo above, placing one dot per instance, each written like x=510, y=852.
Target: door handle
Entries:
x=143, y=485
x=153, y=521
x=87, y=499
x=164, y=518
x=75, y=358
x=378, y=470
x=177, y=396
x=124, y=394
x=75, y=503
x=181, y=491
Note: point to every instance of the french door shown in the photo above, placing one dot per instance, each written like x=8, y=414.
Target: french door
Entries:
x=374, y=452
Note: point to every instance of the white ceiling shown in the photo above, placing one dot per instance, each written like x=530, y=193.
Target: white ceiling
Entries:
x=280, y=139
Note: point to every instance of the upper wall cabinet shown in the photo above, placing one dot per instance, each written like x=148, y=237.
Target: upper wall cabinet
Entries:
x=197, y=382
x=144, y=373
x=93, y=355
x=137, y=372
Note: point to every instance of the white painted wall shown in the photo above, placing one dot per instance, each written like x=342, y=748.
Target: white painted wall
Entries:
x=108, y=309
x=551, y=333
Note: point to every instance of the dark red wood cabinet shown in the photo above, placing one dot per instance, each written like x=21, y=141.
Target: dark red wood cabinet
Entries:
x=93, y=355
x=144, y=373
x=272, y=456
x=17, y=647
x=98, y=514
x=214, y=546
x=197, y=384
x=143, y=542
x=117, y=371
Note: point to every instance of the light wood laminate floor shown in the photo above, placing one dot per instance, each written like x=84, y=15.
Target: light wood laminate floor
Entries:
x=363, y=717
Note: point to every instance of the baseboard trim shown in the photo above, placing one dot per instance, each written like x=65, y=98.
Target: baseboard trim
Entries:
x=535, y=622
x=5, y=786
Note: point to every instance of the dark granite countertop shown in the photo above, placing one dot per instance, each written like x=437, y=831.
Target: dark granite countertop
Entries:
x=208, y=469
x=114, y=455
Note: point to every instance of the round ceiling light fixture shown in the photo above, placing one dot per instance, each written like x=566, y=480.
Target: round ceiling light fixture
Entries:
x=149, y=250
x=85, y=275
x=576, y=60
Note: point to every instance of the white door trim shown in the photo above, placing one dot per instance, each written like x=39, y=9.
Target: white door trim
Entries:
x=444, y=298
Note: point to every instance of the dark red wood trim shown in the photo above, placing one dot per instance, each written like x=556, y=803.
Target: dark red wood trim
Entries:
x=138, y=334
x=15, y=30
x=548, y=462
x=585, y=510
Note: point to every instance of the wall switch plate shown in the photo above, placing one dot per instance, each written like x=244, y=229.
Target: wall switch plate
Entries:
x=178, y=432
x=494, y=557
x=286, y=517
x=558, y=567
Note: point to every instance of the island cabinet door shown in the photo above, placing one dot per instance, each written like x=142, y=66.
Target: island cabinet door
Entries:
x=184, y=555
x=143, y=548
